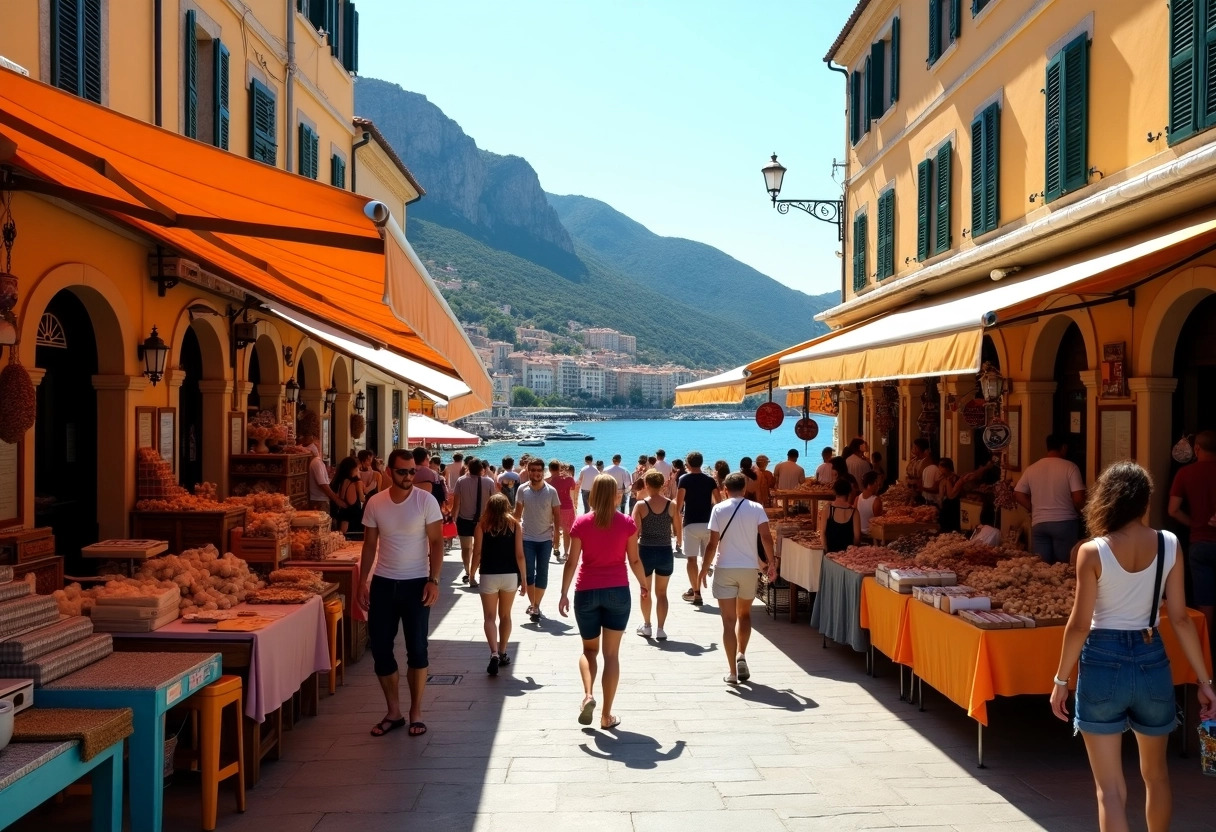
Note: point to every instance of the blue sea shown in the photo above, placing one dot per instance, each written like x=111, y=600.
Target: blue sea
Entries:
x=726, y=439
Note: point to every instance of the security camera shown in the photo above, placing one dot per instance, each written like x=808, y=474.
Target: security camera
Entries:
x=989, y=319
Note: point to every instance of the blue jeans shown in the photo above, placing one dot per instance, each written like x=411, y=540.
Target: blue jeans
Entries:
x=1202, y=559
x=586, y=497
x=1124, y=683
x=536, y=562
x=601, y=609
x=1053, y=541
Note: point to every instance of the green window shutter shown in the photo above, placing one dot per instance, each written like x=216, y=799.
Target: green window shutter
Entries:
x=886, y=235
x=870, y=113
x=317, y=14
x=1183, y=68
x=1207, y=87
x=350, y=38
x=309, y=151
x=992, y=168
x=334, y=18
x=855, y=107
x=977, y=175
x=1053, y=179
x=935, y=30
x=190, y=48
x=880, y=251
x=941, y=200
x=859, y=253
x=1074, y=155
x=895, y=60
x=263, y=130
x=90, y=50
x=956, y=19
x=924, y=198
x=877, y=75
x=223, y=114
x=76, y=47
x=337, y=171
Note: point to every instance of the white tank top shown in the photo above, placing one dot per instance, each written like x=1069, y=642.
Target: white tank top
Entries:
x=1124, y=598
x=865, y=510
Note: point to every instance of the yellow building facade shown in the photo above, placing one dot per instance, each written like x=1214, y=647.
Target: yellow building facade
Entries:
x=262, y=80
x=1016, y=140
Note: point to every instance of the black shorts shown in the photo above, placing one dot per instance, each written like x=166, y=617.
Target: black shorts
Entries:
x=394, y=603
x=465, y=528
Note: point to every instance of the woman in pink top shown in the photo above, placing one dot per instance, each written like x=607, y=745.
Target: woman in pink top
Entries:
x=602, y=540
x=565, y=485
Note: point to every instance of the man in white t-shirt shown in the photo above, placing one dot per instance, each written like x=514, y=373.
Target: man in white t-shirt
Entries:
x=622, y=477
x=402, y=558
x=930, y=478
x=731, y=555
x=661, y=464
x=825, y=474
x=319, y=492
x=789, y=474
x=585, y=478
x=1052, y=491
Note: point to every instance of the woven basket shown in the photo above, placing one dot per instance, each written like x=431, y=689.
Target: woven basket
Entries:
x=29, y=646
x=61, y=662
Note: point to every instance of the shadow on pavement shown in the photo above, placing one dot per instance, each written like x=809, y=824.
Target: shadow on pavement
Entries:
x=783, y=698
x=688, y=648
x=631, y=749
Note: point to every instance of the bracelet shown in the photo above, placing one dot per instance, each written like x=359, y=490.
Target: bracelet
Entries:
x=1059, y=681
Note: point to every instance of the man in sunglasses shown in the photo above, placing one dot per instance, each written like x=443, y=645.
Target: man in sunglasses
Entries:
x=402, y=559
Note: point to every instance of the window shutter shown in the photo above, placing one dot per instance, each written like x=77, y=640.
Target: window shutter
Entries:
x=337, y=171
x=859, y=253
x=956, y=19
x=880, y=251
x=350, y=38
x=1075, y=115
x=1054, y=183
x=223, y=114
x=1208, y=86
x=924, y=196
x=992, y=168
x=894, y=60
x=1183, y=68
x=90, y=51
x=309, y=151
x=65, y=45
x=870, y=114
x=886, y=235
x=334, y=18
x=263, y=132
x=977, y=175
x=935, y=30
x=941, y=219
x=855, y=107
x=877, y=75
x=317, y=11
x=190, y=48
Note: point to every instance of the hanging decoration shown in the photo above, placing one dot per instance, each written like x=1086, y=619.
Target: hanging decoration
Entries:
x=18, y=402
x=770, y=415
x=8, y=280
x=357, y=425
x=997, y=435
x=806, y=429
x=930, y=408
x=975, y=413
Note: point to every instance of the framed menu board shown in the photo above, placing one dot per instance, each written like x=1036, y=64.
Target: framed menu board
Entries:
x=166, y=435
x=145, y=427
x=1116, y=434
x=10, y=484
x=236, y=432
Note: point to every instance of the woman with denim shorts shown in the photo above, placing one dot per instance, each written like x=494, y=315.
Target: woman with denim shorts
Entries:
x=656, y=519
x=601, y=542
x=1124, y=679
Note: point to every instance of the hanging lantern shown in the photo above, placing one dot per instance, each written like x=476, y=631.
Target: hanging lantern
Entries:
x=154, y=353
x=992, y=383
x=360, y=402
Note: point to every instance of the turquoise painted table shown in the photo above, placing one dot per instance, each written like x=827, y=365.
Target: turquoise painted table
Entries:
x=33, y=772
x=149, y=684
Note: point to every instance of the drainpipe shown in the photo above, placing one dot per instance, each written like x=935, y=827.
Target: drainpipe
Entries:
x=289, y=122
x=844, y=193
x=156, y=57
x=367, y=137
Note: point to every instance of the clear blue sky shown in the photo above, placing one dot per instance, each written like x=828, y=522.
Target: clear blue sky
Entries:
x=664, y=109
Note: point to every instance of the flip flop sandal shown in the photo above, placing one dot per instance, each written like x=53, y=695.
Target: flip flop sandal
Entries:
x=386, y=725
x=689, y=595
x=584, y=716
x=417, y=729
x=503, y=660
x=616, y=720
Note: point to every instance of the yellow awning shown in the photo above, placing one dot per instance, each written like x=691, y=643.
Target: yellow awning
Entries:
x=942, y=336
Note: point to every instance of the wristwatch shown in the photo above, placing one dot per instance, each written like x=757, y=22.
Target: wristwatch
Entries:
x=434, y=581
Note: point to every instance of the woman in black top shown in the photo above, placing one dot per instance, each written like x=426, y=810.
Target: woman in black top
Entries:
x=498, y=554
x=840, y=522
x=347, y=485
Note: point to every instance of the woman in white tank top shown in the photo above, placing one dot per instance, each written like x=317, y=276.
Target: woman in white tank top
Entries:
x=1124, y=679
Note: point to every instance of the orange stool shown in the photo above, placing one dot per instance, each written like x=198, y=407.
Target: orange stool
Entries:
x=207, y=709
x=337, y=651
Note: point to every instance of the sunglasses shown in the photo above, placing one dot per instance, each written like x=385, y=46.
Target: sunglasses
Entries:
x=404, y=472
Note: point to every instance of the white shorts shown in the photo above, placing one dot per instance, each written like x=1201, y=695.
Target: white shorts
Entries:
x=491, y=584
x=696, y=540
x=734, y=583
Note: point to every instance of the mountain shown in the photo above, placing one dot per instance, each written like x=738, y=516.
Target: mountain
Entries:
x=699, y=274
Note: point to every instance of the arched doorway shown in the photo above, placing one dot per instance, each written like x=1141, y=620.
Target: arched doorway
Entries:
x=263, y=370
x=1070, y=400
x=65, y=436
x=190, y=413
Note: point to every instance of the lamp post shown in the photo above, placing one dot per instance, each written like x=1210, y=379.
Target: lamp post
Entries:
x=154, y=353
x=992, y=383
x=293, y=391
x=331, y=396
x=360, y=402
x=827, y=210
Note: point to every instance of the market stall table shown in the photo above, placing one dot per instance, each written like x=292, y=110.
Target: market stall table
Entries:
x=837, y=612
x=342, y=567
x=33, y=772
x=785, y=498
x=274, y=662
x=148, y=684
x=885, y=615
x=800, y=567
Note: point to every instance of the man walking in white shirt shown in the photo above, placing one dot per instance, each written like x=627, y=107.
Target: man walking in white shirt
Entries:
x=789, y=474
x=585, y=478
x=1052, y=491
x=622, y=477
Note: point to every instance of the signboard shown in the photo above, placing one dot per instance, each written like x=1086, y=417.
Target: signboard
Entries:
x=1116, y=434
x=997, y=435
x=1114, y=371
x=975, y=413
x=806, y=429
x=166, y=436
x=769, y=416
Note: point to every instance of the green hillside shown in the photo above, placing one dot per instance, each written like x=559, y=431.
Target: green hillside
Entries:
x=704, y=277
x=666, y=330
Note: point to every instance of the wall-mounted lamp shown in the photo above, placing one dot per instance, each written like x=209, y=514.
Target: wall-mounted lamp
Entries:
x=1001, y=274
x=992, y=383
x=293, y=391
x=360, y=402
x=331, y=396
x=827, y=210
x=288, y=359
x=834, y=395
x=154, y=353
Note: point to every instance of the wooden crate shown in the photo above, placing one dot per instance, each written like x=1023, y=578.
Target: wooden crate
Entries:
x=26, y=545
x=188, y=529
x=47, y=574
x=885, y=533
x=285, y=473
x=272, y=550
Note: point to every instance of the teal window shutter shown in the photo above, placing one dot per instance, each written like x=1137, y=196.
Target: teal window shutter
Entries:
x=76, y=47
x=870, y=113
x=223, y=114
x=309, y=151
x=350, y=38
x=886, y=235
x=985, y=167
x=935, y=30
x=855, y=107
x=880, y=251
x=263, y=129
x=318, y=11
x=941, y=200
x=1053, y=184
x=190, y=48
x=337, y=171
x=1066, y=142
x=977, y=175
x=334, y=16
x=877, y=74
x=859, y=253
x=1184, y=68
x=1207, y=86
x=924, y=200
x=895, y=60
x=956, y=19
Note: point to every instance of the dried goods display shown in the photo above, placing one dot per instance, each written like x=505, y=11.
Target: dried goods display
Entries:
x=298, y=578
x=1028, y=586
x=216, y=616
x=957, y=552
x=994, y=620
x=265, y=429
x=1002, y=495
x=865, y=559
x=909, y=545
x=315, y=543
x=905, y=514
x=899, y=495
x=274, y=595
x=154, y=477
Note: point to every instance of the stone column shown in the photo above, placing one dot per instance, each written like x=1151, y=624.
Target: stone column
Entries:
x=1154, y=437
x=963, y=453
x=910, y=391
x=25, y=511
x=216, y=397
x=848, y=420
x=341, y=426
x=116, y=451
x=271, y=398
x=243, y=389
x=1092, y=379
x=1038, y=405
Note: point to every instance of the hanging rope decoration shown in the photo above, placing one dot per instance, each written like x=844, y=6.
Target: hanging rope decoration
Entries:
x=357, y=425
x=18, y=402
x=8, y=281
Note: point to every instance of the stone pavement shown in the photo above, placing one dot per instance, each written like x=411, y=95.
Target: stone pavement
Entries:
x=811, y=743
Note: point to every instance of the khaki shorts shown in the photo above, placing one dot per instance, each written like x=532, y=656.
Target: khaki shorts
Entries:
x=734, y=583
x=492, y=584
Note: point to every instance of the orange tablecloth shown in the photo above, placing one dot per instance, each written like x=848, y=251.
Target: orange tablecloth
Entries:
x=885, y=614
x=971, y=666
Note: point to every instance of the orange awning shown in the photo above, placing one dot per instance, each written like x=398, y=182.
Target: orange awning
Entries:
x=277, y=235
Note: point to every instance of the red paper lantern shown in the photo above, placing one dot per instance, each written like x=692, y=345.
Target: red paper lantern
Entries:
x=769, y=416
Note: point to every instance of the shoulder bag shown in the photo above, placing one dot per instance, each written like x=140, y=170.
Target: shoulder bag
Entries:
x=1155, y=609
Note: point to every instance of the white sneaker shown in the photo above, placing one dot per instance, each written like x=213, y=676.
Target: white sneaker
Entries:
x=644, y=631
x=660, y=634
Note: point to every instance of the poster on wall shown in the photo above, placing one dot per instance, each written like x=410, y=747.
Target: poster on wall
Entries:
x=145, y=427
x=1013, y=453
x=166, y=435
x=1116, y=434
x=10, y=484
x=1114, y=371
x=236, y=432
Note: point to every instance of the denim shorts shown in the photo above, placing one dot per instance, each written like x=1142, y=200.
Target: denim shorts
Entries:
x=659, y=560
x=1124, y=683
x=536, y=562
x=601, y=609
x=397, y=605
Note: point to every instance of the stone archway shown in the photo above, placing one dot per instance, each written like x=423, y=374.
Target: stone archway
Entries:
x=203, y=401
x=264, y=375
x=341, y=442
x=312, y=383
x=1037, y=392
x=1166, y=316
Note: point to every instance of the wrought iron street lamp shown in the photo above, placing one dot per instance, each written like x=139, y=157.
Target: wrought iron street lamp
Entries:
x=827, y=210
x=331, y=396
x=154, y=353
x=992, y=383
x=360, y=402
x=293, y=391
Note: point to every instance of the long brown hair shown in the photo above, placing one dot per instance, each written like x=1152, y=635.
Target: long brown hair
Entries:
x=1119, y=497
x=603, y=500
x=497, y=516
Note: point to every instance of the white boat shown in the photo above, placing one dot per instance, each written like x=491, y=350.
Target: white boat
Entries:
x=531, y=442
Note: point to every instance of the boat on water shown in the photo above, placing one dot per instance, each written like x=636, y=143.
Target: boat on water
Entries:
x=531, y=442
x=566, y=436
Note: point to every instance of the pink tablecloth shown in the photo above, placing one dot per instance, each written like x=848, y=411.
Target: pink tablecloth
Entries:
x=284, y=653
